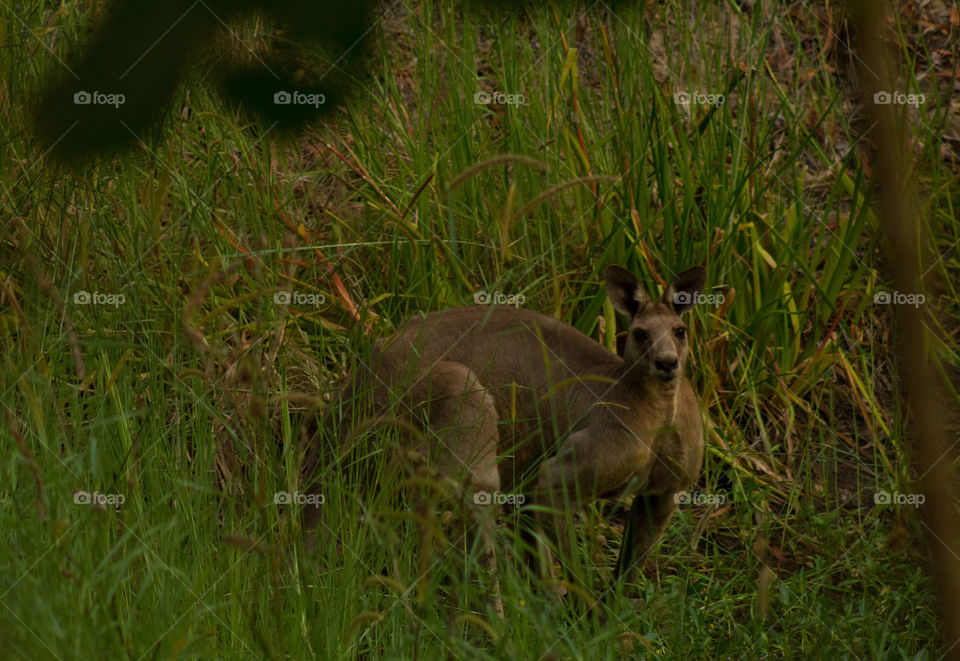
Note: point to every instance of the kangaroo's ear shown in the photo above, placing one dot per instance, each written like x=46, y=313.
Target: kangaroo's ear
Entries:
x=624, y=290
x=682, y=292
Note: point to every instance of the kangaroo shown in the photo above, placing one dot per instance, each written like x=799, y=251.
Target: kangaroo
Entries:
x=508, y=399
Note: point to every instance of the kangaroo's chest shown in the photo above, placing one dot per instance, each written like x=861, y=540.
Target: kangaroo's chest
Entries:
x=668, y=468
x=645, y=457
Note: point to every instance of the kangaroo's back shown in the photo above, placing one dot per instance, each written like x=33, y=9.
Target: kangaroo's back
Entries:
x=498, y=340
x=542, y=374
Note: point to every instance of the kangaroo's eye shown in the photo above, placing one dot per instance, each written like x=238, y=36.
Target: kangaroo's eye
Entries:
x=640, y=335
x=680, y=333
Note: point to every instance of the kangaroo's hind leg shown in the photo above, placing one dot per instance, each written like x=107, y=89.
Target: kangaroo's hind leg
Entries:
x=460, y=433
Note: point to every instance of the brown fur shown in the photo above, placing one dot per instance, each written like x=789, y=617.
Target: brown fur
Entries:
x=514, y=400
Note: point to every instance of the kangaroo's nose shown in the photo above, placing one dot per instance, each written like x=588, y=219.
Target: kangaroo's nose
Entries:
x=666, y=365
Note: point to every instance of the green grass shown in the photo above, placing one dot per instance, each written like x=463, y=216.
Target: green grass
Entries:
x=186, y=398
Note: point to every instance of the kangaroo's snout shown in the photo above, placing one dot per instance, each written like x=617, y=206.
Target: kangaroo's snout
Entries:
x=667, y=367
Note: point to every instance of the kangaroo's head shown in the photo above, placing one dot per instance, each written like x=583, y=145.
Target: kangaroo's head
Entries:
x=656, y=345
